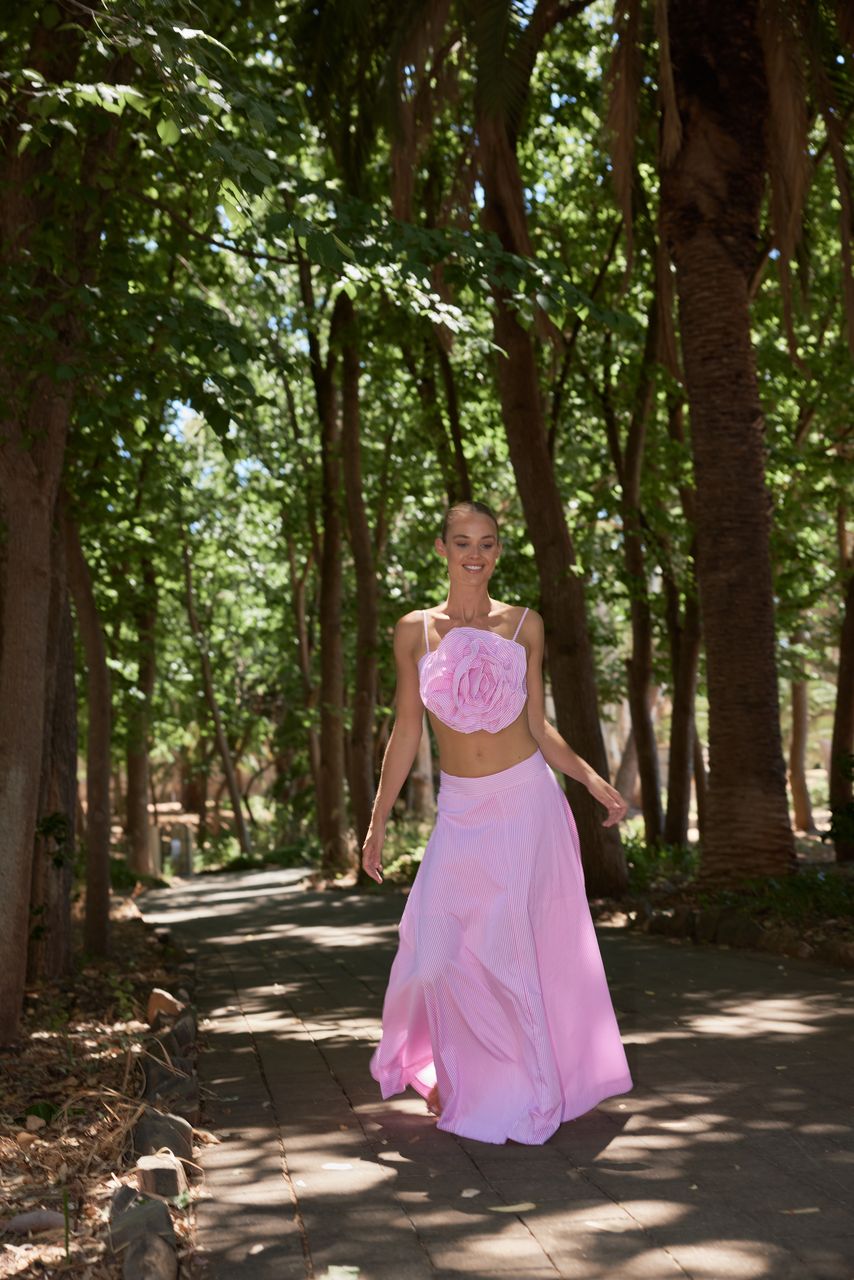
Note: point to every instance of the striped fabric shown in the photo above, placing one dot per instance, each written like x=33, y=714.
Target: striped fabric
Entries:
x=497, y=991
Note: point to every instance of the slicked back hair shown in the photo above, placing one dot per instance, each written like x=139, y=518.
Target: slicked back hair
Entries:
x=468, y=508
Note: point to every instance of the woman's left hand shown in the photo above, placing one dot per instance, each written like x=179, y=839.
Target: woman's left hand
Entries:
x=612, y=800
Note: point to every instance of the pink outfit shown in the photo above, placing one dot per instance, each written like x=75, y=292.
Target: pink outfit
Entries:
x=475, y=679
x=497, y=992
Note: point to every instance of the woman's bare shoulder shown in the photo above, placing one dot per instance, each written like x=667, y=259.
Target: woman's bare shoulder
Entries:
x=409, y=631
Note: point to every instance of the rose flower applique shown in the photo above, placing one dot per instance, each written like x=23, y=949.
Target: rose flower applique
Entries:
x=474, y=681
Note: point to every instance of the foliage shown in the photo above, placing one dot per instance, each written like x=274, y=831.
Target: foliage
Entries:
x=223, y=167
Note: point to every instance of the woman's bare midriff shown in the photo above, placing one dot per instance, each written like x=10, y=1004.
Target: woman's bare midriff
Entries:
x=473, y=755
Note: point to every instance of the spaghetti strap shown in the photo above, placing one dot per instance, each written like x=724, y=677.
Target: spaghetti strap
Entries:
x=521, y=620
x=426, y=641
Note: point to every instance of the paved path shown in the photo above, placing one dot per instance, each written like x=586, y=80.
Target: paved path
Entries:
x=732, y=1158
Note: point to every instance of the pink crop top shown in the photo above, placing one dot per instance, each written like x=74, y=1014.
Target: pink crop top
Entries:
x=475, y=679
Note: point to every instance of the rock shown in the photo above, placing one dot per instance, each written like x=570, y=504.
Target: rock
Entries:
x=137, y=1216
x=659, y=922
x=34, y=1123
x=179, y=1096
x=163, y=935
x=161, y=1175
x=154, y=1131
x=159, y=1073
x=149, y=1257
x=35, y=1221
x=682, y=922
x=737, y=929
x=161, y=1001
x=123, y=1197
x=184, y=1030
x=169, y=1040
x=780, y=939
x=707, y=924
x=837, y=951
x=25, y=1139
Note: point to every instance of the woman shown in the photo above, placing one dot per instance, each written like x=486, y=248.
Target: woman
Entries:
x=497, y=1009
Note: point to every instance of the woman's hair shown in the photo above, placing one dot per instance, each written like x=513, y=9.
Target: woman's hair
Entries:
x=468, y=508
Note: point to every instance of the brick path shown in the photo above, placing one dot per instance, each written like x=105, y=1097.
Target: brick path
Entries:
x=733, y=1157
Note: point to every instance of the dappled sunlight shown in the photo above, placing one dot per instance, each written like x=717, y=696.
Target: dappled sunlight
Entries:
x=720, y=1153
x=764, y=1016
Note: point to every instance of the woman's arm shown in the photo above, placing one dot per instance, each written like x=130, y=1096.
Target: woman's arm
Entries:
x=556, y=750
x=402, y=744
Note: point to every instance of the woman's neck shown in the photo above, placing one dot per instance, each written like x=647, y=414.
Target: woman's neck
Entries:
x=464, y=606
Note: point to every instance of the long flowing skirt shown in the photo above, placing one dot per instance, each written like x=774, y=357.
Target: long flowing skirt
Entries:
x=497, y=992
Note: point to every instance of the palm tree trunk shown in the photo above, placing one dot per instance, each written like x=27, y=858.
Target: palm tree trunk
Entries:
x=711, y=195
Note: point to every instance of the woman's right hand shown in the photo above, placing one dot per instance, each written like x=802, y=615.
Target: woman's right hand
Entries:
x=372, y=851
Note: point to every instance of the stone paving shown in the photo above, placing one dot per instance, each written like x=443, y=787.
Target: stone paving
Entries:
x=732, y=1157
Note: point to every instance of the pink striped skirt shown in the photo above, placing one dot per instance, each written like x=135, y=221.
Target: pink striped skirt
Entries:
x=497, y=992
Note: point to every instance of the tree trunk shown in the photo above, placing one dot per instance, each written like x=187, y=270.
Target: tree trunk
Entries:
x=570, y=654
x=711, y=196
x=361, y=767
x=299, y=578
x=53, y=864
x=627, y=772
x=462, y=483
x=422, y=796
x=628, y=463
x=798, y=758
x=136, y=754
x=701, y=786
x=98, y=739
x=240, y=827
x=685, y=651
x=33, y=430
x=842, y=740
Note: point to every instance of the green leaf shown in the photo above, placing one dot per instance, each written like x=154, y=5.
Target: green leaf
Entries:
x=168, y=131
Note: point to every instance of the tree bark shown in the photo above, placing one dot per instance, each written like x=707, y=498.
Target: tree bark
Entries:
x=330, y=791
x=802, y=807
x=628, y=462
x=569, y=650
x=136, y=753
x=361, y=770
x=701, y=785
x=627, y=772
x=299, y=577
x=49, y=954
x=240, y=827
x=422, y=795
x=685, y=658
x=98, y=741
x=842, y=739
x=711, y=195
x=33, y=433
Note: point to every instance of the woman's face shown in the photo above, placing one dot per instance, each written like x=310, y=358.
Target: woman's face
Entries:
x=471, y=549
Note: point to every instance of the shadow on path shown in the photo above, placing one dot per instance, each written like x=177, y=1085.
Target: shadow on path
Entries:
x=732, y=1158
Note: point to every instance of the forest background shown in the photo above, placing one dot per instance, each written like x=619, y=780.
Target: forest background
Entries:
x=283, y=280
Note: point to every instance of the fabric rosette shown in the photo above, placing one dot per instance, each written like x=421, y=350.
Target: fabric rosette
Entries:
x=478, y=682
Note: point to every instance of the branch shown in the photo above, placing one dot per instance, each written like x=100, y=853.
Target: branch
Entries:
x=253, y=255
